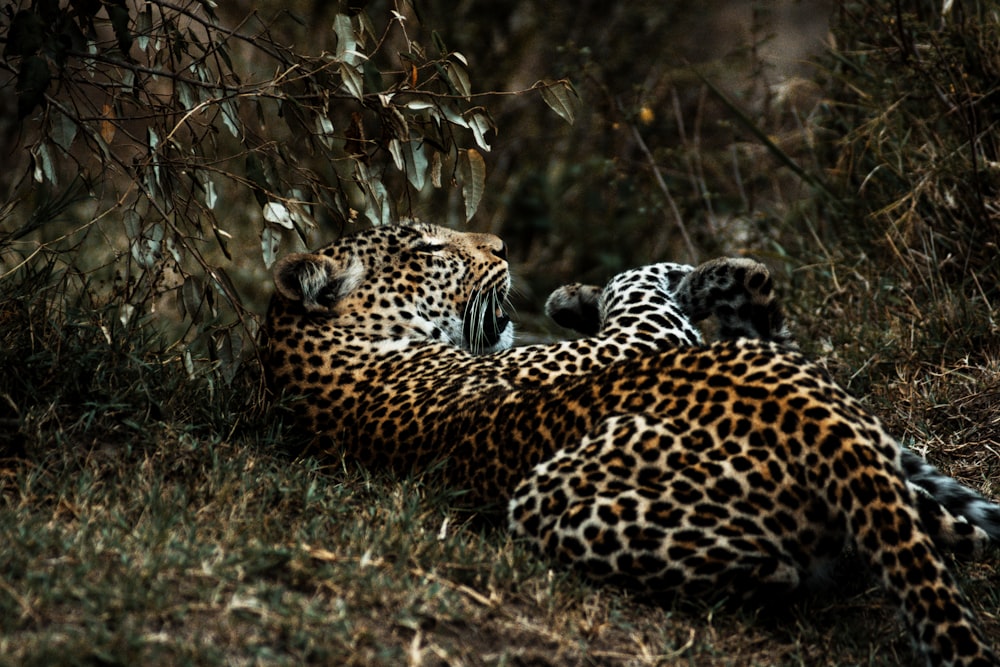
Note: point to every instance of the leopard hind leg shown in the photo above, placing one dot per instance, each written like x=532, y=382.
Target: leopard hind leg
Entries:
x=615, y=509
x=887, y=527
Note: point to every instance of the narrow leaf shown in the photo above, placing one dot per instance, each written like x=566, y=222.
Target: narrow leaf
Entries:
x=419, y=105
x=146, y=246
x=63, y=130
x=346, y=51
x=561, y=98
x=107, y=124
x=257, y=176
x=473, y=180
x=324, y=130
x=270, y=239
x=119, y=16
x=278, y=214
x=416, y=164
x=222, y=238
x=353, y=80
x=133, y=223
x=125, y=313
x=176, y=249
x=396, y=150
x=191, y=299
x=480, y=124
x=436, y=169
x=229, y=347
x=460, y=79
x=230, y=117
x=154, y=143
x=453, y=116
x=187, y=97
x=143, y=25
x=209, y=6
x=378, y=210
x=44, y=168
x=223, y=284
x=210, y=195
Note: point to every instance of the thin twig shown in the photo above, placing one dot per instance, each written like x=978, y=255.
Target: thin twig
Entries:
x=678, y=219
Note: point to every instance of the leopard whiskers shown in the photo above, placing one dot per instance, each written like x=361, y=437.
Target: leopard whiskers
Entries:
x=481, y=313
x=472, y=321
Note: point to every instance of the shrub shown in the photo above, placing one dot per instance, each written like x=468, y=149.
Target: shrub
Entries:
x=172, y=157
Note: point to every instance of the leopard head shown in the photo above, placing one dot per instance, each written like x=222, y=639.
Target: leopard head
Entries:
x=403, y=281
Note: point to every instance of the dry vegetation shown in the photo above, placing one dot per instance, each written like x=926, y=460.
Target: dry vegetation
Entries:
x=152, y=507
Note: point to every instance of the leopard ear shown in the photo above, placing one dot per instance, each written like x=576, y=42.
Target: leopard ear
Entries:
x=317, y=281
x=576, y=307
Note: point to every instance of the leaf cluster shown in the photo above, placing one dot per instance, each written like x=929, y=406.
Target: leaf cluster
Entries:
x=46, y=32
x=170, y=117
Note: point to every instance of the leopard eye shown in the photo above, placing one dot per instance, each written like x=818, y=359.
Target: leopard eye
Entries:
x=428, y=246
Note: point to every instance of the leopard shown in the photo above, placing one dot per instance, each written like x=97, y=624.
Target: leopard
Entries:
x=637, y=452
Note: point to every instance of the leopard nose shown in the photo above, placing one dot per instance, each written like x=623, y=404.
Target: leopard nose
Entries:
x=501, y=252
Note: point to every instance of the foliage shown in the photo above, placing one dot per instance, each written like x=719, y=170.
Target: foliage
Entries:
x=166, y=119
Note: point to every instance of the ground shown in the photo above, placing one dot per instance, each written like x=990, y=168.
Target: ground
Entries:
x=149, y=526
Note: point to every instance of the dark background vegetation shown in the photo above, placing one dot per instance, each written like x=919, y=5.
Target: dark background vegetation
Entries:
x=159, y=155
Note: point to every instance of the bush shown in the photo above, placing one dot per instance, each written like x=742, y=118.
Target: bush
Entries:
x=913, y=104
x=173, y=157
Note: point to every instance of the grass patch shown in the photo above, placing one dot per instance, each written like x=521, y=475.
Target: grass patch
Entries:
x=206, y=552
